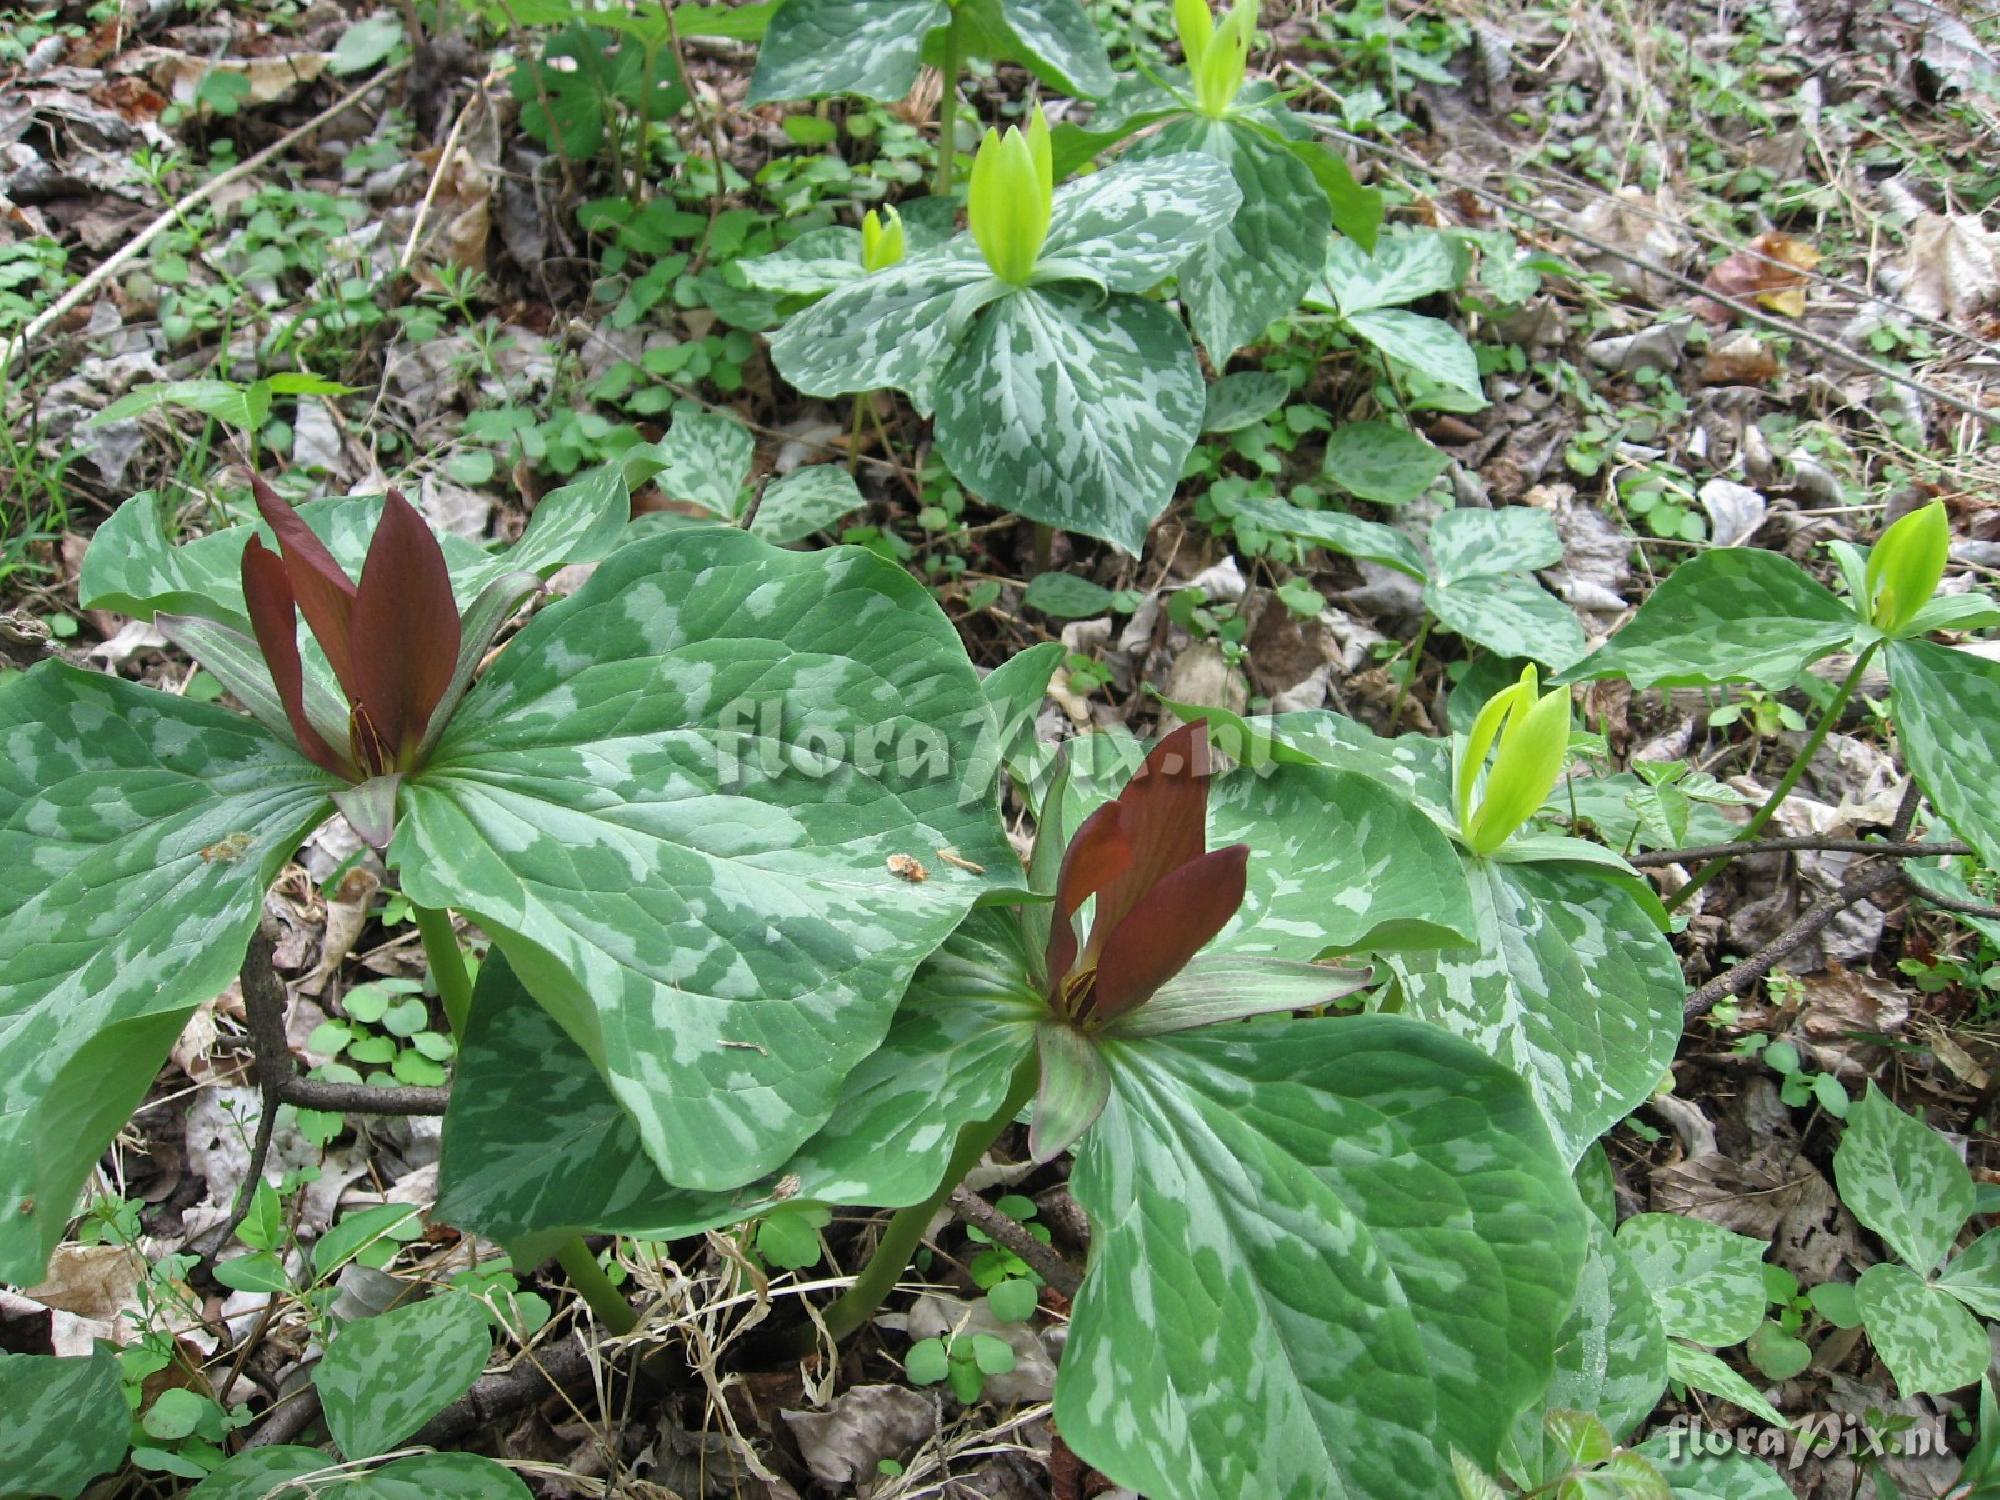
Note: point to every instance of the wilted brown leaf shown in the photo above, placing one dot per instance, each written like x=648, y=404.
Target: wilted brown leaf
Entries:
x=1769, y=271
x=1952, y=267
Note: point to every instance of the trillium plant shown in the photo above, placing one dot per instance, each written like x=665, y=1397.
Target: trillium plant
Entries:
x=1061, y=392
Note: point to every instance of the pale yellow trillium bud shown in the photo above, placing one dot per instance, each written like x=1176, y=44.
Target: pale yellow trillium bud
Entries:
x=1533, y=736
x=1012, y=191
x=1905, y=565
x=882, y=242
x=1216, y=55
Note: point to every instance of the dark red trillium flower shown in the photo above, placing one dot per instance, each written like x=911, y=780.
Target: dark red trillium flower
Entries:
x=392, y=640
x=1162, y=895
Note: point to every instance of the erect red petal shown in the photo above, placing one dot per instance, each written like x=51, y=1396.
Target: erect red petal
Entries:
x=324, y=592
x=1164, y=814
x=1097, y=854
x=406, y=627
x=1172, y=922
x=267, y=590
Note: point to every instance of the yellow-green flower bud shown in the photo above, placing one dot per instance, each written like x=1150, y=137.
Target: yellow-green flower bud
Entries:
x=1216, y=55
x=882, y=241
x=1013, y=186
x=1905, y=566
x=1533, y=735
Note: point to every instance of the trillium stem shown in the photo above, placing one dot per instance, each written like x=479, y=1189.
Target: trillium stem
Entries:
x=587, y=1279
x=454, y=986
x=1783, y=789
x=855, y=1306
x=954, y=45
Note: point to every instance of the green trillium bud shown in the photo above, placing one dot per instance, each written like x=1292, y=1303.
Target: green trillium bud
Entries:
x=1533, y=735
x=1216, y=55
x=882, y=242
x=1905, y=566
x=1013, y=186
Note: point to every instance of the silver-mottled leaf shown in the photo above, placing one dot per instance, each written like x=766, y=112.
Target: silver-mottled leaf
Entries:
x=1073, y=409
x=1510, y=615
x=384, y=1377
x=1711, y=1476
x=866, y=47
x=1063, y=40
x=63, y=1422
x=805, y=501
x=1429, y=346
x=1334, y=530
x=810, y=266
x=1137, y=221
x=1405, y=267
x=1903, y=1180
x=674, y=801
x=1243, y=398
x=704, y=459
x=1345, y=1246
x=1707, y=1281
x=1946, y=705
x=1384, y=463
x=1569, y=983
x=138, y=832
x=1930, y=1343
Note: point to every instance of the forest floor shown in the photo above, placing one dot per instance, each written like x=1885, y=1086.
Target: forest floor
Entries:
x=507, y=316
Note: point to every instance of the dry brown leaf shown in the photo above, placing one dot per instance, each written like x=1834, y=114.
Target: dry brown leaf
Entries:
x=1769, y=271
x=179, y=74
x=1742, y=360
x=92, y=1281
x=1952, y=267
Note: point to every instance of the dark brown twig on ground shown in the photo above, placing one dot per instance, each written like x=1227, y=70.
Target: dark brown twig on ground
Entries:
x=286, y=1420
x=1865, y=882
x=969, y=1208
x=564, y=1367
x=1799, y=842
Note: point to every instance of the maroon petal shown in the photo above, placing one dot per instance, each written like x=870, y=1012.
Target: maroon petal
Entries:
x=1164, y=813
x=406, y=628
x=1173, y=921
x=1097, y=855
x=267, y=590
x=324, y=592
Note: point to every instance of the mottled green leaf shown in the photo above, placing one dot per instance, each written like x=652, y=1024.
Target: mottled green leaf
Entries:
x=867, y=47
x=263, y=1474
x=1974, y=1275
x=674, y=802
x=1404, y=268
x=1357, y=210
x=1373, y=1212
x=1336, y=866
x=1903, y=1180
x=1930, y=1343
x=1705, y=1372
x=1707, y=1281
x=1510, y=615
x=1073, y=409
x=891, y=328
x=1429, y=346
x=1066, y=596
x=1058, y=41
x=138, y=832
x=384, y=1377
x=1254, y=268
x=1135, y=223
x=1243, y=399
x=1474, y=543
x=535, y=1143
x=1731, y=614
x=1611, y=1361
x=805, y=501
x=1569, y=983
x=63, y=1422
x=1711, y=1476
x=1946, y=705
x=1334, y=530
x=703, y=460
x=810, y=266
x=132, y=569
x=1382, y=462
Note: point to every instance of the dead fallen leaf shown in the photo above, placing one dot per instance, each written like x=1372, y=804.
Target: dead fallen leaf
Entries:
x=1951, y=269
x=866, y=1423
x=1769, y=271
x=1741, y=360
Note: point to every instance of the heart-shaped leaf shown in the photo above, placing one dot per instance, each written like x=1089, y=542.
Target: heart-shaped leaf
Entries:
x=1947, y=709
x=1568, y=981
x=796, y=505
x=1903, y=1180
x=1370, y=1207
x=1930, y=1343
x=1334, y=530
x=1403, y=268
x=675, y=802
x=63, y=1422
x=1703, y=1475
x=1707, y=1281
x=1380, y=462
x=872, y=48
x=1072, y=408
x=1243, y=399
x=384, y=1377
x=138, y=832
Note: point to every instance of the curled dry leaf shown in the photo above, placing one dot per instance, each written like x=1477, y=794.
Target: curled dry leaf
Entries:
x=1769, y=271
x=1740, y=360
x=844, y=1444
x=1952, y=267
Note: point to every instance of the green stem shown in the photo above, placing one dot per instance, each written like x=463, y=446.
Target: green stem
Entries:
x=954, y=45
x=587, y=1279
x=855, y=1306
x=1783, y=789
x=1045, y=547
x=454, y=986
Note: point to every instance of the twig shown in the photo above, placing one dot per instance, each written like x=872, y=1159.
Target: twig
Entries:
x=1742, y=309
x=1799, y=842
x=1871, y=878
x=291, y=1416
x=130, y=250
x=492, y=1397
x=437, y=178
x=1003, y=1229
